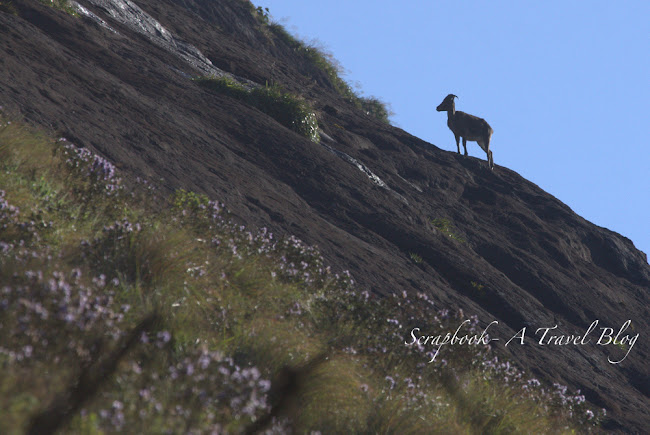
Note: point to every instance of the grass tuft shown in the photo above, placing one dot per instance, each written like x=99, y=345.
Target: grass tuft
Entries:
x=61, y=5
x=415, y=258
x=446, y=227
x=289, y=110
x=8, y=7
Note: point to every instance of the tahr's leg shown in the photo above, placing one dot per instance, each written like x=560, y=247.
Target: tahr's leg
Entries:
x=464, y=146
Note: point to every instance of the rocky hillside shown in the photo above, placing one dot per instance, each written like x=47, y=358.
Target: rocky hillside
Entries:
x=117, y=76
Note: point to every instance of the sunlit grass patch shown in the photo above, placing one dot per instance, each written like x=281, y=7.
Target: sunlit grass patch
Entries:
x=415, y=258
x=446, y=227
x=376, y=108
x=224, y=85
x=8, y=7
x=62, y=5
x=288, y=109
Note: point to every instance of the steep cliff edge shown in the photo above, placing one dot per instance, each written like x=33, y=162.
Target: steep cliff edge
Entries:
x=490, y=242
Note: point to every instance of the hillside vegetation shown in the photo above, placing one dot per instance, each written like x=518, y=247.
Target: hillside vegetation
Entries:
x=123, y=309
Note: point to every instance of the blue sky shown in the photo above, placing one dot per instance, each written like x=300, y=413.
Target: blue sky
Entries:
x=564, y=85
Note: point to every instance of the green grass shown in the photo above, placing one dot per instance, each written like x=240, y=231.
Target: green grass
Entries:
x=289, y=110
x=446, y=227
x=8, y=7
x=124, y=310
x=373, y=106
x=61, y=5
x=477, y=285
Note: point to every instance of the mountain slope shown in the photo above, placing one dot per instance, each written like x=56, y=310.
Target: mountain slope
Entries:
x=518, y=255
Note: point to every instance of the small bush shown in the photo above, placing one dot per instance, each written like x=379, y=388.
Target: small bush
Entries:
x=289, y=110
x=280, y=32
x=262, y=14
x=375, y=107
x=477, y=285
x=95, y=174
x=8, y=8
x=326, y=62
x=446, y=227
x=224, y=85
x=62, y=5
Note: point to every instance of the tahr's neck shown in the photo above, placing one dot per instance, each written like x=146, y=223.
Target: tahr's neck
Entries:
x=451, y=112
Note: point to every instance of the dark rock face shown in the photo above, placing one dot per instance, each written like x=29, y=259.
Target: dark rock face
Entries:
x=115, y=88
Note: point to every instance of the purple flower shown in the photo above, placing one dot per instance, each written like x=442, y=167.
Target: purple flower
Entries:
x=163, y=337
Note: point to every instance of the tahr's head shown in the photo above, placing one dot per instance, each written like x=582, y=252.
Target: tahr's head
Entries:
x=447, y=103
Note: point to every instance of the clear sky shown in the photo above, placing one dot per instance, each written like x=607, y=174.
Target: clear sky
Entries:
x=564, y=85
